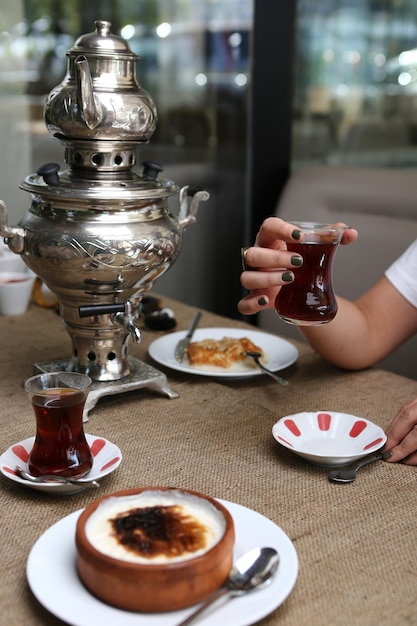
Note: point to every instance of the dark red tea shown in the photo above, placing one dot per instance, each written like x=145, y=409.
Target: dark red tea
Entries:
x=60, y=445
x=310, y=299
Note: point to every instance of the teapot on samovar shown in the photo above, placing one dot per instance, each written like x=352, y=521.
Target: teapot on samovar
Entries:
x=100, y=97
x=99, y=233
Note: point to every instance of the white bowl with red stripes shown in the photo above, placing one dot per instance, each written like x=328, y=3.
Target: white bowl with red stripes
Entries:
x=106, y=458
x=329, y=438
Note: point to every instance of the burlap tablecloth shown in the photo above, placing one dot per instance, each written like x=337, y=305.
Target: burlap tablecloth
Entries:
x=356, y=543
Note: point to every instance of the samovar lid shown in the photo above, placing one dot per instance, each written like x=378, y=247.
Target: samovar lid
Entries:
x=50, y=183
x=102, y=42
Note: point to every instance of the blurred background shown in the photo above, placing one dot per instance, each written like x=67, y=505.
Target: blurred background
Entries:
x=247, y=91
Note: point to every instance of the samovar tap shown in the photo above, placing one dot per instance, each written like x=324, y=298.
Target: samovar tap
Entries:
x=127, y=320
x=122, y=314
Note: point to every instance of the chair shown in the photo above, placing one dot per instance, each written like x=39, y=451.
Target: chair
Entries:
x=382, y=204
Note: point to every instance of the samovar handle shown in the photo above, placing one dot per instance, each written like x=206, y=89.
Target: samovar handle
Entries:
x=49, y=173
x=151, y=169
x=14, y=236
x=190, y=198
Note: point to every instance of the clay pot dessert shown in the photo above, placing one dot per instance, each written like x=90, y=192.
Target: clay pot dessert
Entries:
x=154, y=549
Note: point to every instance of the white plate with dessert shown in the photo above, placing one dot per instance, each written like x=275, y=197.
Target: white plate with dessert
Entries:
x=107, y=457
x=278, y=353
x=52, y=575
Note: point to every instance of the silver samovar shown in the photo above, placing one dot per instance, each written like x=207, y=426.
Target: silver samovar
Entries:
x=99, y=234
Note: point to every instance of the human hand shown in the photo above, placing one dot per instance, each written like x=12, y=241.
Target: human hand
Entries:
x=269, y=265
x=401, y=444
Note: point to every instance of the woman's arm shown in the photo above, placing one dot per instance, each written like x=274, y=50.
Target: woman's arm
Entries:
x=367, y=330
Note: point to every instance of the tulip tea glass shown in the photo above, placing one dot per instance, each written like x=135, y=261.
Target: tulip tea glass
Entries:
x=310, y=300
x=60, y=445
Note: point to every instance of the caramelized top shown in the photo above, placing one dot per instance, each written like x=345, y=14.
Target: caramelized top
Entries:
x=159, y=530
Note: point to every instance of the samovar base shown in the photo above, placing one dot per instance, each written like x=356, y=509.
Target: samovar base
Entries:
x=143, y=375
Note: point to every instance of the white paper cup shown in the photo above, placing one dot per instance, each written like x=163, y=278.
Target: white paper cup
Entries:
x=15, y=292
x=12, y=263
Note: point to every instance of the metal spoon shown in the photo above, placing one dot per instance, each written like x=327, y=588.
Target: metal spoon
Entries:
x=51, y=478
x=251, y=571
x=256, y=356
x=348, y=474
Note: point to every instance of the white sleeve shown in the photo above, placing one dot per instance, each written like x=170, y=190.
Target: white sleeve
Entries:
x=403, y=274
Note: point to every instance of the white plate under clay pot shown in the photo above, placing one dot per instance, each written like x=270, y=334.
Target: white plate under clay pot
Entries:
x=52, y=576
